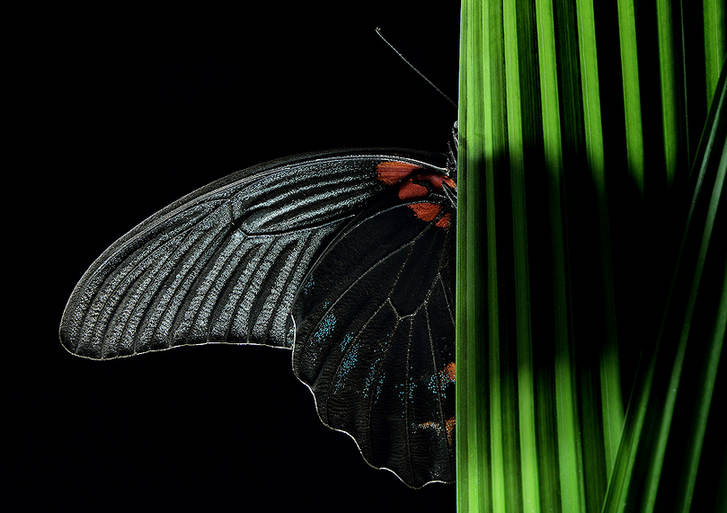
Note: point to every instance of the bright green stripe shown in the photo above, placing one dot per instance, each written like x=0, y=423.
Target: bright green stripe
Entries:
x=492, y=146
x=471, y=407
x=512, y=78
x=612, y=407
x=620, y=480
x=461, y=395
x=549, y=89
x=591, y=91
x=525, y=372
x=571, y=479
x=484, y=496
x=714, y=43
x=611, y=398
x=631, y=92
x=666, y=31
x=684, y=97
x=657, y=459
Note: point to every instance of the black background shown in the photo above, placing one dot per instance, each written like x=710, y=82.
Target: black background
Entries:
x=120, y=110
x=128, y=110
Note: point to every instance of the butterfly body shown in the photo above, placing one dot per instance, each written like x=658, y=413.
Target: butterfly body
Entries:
x=343, y=257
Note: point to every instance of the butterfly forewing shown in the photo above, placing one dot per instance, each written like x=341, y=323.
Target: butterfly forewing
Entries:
x=222, y=264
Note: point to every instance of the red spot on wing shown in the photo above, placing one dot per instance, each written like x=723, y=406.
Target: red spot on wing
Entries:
x=425, y=211
x=444, y=221
x=436, y=179
x=432, y=178
x=412, y=190
x=394, y=172
x=414, y=186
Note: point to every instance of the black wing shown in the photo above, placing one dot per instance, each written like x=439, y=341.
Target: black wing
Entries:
x=375, y=333
x=222, y=264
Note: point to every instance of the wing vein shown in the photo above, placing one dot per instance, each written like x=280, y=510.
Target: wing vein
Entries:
x=377, y=373
x=406, y=398
x=438, y=388
x=153, y=248
x=372, y=267
x=286, y=282
x=103, y=339
x=147, y=276
x=204, y=274
x=446, y=299
x=188, y=274
x=241, y=297
x=228, y=288
x=345, y=353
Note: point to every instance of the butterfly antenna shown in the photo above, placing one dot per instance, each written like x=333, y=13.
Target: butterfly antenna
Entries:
x=378, y=32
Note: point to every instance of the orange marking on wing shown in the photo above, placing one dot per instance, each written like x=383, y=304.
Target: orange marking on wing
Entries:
x=450, y=424
x=411, y=191
x=451, y=370
x=445, y=221
x=450, y=182
x=394, y=172
x=425, y=211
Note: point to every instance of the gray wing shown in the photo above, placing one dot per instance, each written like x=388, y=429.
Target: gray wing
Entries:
x=222, y=264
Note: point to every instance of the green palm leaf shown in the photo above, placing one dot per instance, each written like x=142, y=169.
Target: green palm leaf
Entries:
x=569, y=224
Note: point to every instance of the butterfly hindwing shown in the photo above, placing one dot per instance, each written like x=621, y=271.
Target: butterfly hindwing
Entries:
x=375, y=334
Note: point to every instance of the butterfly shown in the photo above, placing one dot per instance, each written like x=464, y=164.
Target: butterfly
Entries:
x=344, y=258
